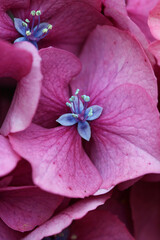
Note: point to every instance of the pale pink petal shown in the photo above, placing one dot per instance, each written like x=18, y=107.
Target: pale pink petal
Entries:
x=154, y=48
x=112, y=57
x=23, y=208
x=145, y=198
x=59, y=162
x=58, y=69
x=64, y=219
x=121, y=20
x=26, y=95
x=142, y=7
x=8, y=158
x=154, y=21
x=100, y=224
x=126, y=138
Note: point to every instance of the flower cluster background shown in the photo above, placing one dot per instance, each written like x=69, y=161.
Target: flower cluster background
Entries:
x=79, y=120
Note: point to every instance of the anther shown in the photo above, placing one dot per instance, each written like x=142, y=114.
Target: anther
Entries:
x=45, y=30
x=72, y=99
x=68, y=104
x=33, y=12
x=77, y=91
x=50, y=26
x=28, y=33
x=24, y=24
x=38, y=13
x=75, y=115
x=90, y=114
x=27, y=20
x=85, y=98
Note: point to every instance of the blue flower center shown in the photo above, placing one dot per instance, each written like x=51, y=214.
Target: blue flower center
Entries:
x=81, y=114
x=29, y=31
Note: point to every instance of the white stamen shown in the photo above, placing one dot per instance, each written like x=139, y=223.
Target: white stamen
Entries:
x=33, y=12
x=90, y=114
x=24, y=24
x=27, y=20
x=75, y=115
x=68, y=104
x=28, y=33
x=45, y=30
x=38, y=13
x=50, y=26
x=77, y=91
x=72, y=99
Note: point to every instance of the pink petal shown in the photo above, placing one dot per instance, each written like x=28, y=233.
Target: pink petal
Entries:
x=59, y=162
x=100, y=224
x=112, y=57
x=7, y=233
x=8, y=32
x=154, y=48
x=8, y=158
x=126, y=138
x=117, y=12
x=64, y=219
x=145, y=198
x=58, y=69
x=154, y=21
x=80, y=20
x=138, y=11
x=21, y=58
x=26, y=96
x=142, y=7
x=24, y=208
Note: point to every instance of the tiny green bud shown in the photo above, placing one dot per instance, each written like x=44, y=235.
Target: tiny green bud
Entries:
x=38, y=13
x=33, y=12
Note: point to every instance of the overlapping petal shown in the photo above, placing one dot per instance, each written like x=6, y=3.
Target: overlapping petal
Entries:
x=23, y=208
x=64, y=218
x=8, y=158
x=27, y=92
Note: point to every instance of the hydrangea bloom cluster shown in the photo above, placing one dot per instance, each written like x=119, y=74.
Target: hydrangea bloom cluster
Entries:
x=80, y=127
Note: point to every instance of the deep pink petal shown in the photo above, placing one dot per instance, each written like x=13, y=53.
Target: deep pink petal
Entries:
x=7, y=233
x=8, y=158
x=24, y=208
x=71, y=26
x=26, y=96
x=64, y=219
x=21, y=58
x=112, y=57
x=100, y=224
x=58, y=69
x=59, y=162
x=126, y=138
x=8, y=32
x=145, y=198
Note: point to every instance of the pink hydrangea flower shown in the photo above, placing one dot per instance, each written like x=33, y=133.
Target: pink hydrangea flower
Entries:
x=125, y=138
